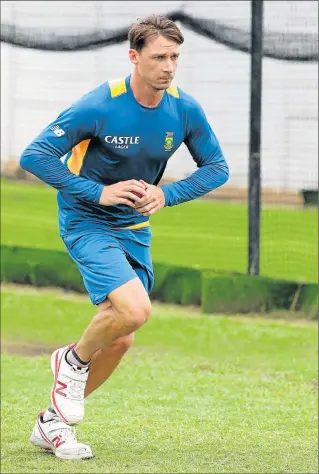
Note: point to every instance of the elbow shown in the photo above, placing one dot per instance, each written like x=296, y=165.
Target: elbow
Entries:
x=25, y=161
x=224, y=176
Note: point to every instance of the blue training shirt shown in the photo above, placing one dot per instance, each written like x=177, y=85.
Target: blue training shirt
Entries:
x=107, y=137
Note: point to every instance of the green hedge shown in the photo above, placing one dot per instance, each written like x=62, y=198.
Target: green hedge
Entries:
x=40, y=267
x=308, y=301
x=310, y=197
x=177, y=284
x=245, y=294
x=214, y=292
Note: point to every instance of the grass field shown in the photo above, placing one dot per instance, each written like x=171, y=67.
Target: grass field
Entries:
x=206, y=234
x=195, y=393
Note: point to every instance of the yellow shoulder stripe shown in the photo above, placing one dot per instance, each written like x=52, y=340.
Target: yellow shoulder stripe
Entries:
x=173, y=90
x=117, y=87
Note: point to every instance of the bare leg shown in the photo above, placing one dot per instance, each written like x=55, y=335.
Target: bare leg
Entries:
x=126, y=310
x=105, y=361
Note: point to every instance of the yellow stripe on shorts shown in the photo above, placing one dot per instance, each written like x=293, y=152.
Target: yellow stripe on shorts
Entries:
x=141, y=225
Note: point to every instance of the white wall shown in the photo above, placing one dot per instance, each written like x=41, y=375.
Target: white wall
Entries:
x=36, y=86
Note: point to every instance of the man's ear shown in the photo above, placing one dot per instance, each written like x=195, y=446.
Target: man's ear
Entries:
x=133, y=55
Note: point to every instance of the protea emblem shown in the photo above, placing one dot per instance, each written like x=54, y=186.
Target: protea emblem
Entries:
x=169, y=141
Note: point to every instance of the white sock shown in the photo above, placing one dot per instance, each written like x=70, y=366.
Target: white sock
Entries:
x=73, y=359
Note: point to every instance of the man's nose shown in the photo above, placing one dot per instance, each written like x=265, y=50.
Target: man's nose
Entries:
x=168, y=66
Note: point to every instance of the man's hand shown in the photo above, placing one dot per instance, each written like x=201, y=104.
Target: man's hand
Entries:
x=124, y=192
x=153, y=200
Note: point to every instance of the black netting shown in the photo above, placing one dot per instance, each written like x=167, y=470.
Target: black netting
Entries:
x=289, y=46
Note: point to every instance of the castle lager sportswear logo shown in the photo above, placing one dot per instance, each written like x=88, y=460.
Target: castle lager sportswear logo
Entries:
x=169, y=141
x=122, y=142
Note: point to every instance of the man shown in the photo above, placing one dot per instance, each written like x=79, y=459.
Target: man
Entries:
x=117, y=140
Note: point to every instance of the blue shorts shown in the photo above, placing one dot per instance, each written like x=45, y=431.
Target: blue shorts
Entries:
x=107, y=259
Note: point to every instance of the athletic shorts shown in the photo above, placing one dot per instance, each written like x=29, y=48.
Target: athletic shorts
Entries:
x=107, y=259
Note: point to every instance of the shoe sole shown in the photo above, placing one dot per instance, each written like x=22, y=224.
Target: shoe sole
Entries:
x=66, y=456
x=55, y=367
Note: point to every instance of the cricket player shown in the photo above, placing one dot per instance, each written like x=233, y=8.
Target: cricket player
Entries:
x=105, y=155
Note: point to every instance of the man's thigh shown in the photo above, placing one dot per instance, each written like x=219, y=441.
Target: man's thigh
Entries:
x=105, y=263
x=137, y=249
x=101, y=261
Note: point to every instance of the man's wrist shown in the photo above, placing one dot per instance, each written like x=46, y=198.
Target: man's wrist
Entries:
x=166, y=191
x=99, y=192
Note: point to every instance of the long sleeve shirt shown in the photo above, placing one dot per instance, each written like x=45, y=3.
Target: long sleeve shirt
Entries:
x=107, y=136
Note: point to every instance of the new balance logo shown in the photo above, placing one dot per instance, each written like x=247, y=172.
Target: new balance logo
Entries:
x=57, y=441
x=57, y=130
x=60, y=389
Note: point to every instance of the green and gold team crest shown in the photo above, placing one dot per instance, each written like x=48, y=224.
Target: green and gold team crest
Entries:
x=169, y=141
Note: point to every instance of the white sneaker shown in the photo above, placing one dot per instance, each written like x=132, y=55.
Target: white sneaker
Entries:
x=67, y=394
x=58, y=437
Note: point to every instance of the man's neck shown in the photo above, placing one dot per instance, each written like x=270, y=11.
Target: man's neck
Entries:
x=143, y=93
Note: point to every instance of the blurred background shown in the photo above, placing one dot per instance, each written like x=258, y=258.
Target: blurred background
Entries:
x=37, y=84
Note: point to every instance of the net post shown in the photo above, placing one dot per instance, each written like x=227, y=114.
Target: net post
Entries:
x=254, y=189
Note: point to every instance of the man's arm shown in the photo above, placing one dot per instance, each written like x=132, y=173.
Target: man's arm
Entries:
x=213, y=170
x=42, y=156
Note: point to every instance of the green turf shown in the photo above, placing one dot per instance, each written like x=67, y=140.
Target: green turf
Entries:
x=206, y=234
x=195, y=394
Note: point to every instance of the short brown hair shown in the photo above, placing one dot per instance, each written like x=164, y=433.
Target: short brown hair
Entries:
x=150, y=26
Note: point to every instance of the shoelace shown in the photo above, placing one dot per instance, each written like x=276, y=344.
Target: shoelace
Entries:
x=68, y=434
x=76, y=387
x=76, y=390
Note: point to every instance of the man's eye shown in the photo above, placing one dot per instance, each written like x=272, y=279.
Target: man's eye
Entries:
x=159, y=57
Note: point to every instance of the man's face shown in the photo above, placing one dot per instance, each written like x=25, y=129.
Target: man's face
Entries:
x=156, y=63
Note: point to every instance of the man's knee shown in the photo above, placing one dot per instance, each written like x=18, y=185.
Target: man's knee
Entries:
x=131, y=316
x=131, y=304
x=135, y=314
